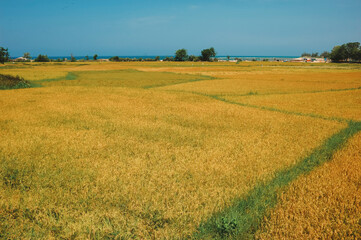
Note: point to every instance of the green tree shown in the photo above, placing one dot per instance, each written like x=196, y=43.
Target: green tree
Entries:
x=72, y=58
x=27, y=56
x=325, y=54
x=207, y=54
x=358, y=56
x=157, y=58
x=352, y=50
x=181, y=55
x=193, y=58
x=228, y=57
x=87, y=57
x=42, y=58
x=4, y=55
x=315, y=54
x=305, y=54
x=338, y=53
x=346, y=52
x=95, y=57
x=168, y=59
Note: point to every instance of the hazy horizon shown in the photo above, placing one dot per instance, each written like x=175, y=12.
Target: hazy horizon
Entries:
x=143, y=28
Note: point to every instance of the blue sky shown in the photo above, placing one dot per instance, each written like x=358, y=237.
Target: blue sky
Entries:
x=160, y=27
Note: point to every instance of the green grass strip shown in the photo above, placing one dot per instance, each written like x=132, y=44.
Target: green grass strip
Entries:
x=69, y=76
x=242, y=219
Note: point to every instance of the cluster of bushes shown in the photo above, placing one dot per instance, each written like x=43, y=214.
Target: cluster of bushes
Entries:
x=11, y=82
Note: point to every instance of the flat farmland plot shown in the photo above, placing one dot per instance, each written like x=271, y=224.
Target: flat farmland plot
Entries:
x=116, y=150
x=37, y=71
x=263, y=81
x=128, y=156
x=124, y=78
x=339, y=104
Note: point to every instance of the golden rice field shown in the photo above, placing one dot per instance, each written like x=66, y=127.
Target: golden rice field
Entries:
x=154, y=150
x=341, y=104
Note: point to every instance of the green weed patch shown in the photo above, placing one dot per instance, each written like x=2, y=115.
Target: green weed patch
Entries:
x=11, y=82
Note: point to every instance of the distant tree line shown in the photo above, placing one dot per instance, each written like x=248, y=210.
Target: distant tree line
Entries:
x=5, y=57
x=325, y=54
x=180, y=56
x=208, y=54
x=348, y=52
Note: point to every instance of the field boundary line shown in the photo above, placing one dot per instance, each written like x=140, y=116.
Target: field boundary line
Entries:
x=280, y=110
x=206, y=78
x=312, y=115
x=286, y=93
x=166, y=85
x=242, y=219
